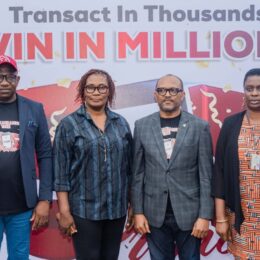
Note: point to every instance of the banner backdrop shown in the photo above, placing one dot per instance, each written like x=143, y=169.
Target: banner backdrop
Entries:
x=209, y=44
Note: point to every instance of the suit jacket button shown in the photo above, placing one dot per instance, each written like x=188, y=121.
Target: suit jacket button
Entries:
x=166, y=192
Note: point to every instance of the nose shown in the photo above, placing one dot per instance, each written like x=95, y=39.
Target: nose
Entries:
x=96, y=91
x=255, y=92
x=167, y=94
x=4, y=82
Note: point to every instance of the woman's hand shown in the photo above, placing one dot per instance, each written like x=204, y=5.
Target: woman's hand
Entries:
x=66, y=223
x=223, y=230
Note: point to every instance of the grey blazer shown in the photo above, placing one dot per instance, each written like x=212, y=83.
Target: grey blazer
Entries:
x=185, y=178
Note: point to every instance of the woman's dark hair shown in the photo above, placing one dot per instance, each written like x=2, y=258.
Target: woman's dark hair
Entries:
x=81, y=86
x=252, y=72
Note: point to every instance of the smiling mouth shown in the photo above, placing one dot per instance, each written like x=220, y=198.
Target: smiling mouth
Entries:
x=5, y=90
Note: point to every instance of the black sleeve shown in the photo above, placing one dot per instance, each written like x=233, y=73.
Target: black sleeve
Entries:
x=217, y=187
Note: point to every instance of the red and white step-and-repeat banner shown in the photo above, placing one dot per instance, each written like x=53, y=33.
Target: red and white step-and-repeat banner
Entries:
x=209, y=44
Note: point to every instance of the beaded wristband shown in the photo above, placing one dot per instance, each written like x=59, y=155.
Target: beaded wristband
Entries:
x=222, y=221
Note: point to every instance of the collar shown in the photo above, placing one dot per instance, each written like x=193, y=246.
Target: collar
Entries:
x=84, y=113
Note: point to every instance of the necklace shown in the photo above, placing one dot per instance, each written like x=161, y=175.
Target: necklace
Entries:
x=102, y=135
x=104, y=143
x=249, y=121
x=255, y=157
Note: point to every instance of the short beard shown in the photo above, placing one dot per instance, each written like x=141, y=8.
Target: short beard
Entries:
x=168, y=109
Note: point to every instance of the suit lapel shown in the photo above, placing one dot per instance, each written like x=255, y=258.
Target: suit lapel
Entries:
x=157, y=132
x=22, y=111
x=182, y=130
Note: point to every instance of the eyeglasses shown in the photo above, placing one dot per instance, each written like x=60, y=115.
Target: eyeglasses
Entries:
x=250, y=89
x=101, y=88
x=172, y=91
x=11, y=78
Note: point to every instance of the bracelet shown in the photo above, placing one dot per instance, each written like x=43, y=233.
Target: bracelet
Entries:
x=222, y=221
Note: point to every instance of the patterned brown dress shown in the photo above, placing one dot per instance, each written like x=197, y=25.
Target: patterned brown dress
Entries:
x=247, y=244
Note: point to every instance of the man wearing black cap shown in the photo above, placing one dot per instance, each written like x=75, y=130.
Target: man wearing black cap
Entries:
x=24, y=140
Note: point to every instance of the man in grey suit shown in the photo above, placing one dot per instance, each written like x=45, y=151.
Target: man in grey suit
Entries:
x=172, y=174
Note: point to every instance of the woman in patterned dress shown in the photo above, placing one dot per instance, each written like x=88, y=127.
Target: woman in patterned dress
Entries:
x=236, y=180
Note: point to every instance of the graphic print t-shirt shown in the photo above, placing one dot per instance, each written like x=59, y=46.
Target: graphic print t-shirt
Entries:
x=12, y=197
x=169, y=131
x=169, y=128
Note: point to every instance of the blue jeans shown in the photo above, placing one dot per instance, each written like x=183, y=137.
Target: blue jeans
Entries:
x=162, y=241
x=17, y=229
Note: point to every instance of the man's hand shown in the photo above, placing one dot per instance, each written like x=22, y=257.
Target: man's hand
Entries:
x=66, y=223
x=200, y=228
x=141, y=224
x=223, y=230
x=130, y=219
x=40, y=217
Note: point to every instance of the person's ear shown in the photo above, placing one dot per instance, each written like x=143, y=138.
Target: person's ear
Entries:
x=182, y=96
x=17, y=80
x=155, y=97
